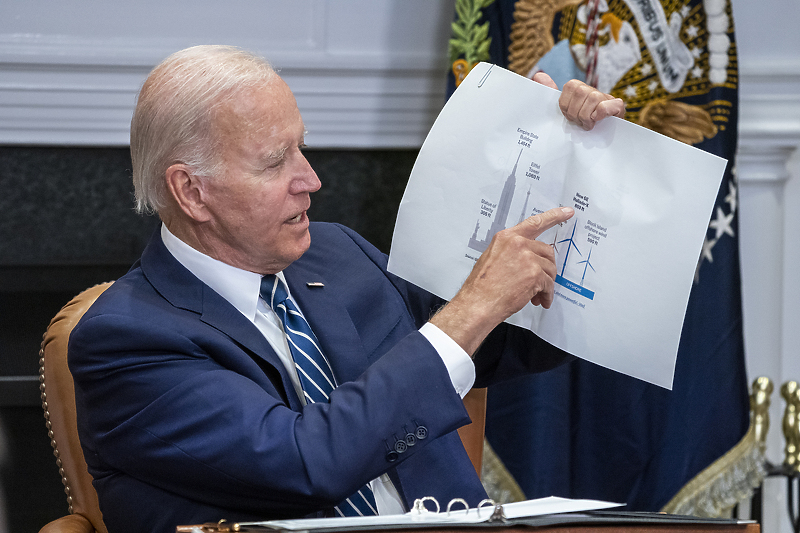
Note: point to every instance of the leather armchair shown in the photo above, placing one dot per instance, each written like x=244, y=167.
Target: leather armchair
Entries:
x=58, y=402
x=472, y=434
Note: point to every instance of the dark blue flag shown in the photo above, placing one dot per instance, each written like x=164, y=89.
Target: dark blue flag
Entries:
x=583, y=431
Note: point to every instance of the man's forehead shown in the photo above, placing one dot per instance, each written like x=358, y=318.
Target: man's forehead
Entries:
x=260, y=126
x=263, y=107
x=264, y=97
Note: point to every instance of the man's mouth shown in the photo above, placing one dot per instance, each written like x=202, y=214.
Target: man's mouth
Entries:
x=296, y=219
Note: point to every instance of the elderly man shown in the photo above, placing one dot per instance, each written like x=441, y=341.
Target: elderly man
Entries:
x=254, y=365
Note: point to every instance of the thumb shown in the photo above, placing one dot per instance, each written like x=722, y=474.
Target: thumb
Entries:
x=544, y=79
x=613, y=107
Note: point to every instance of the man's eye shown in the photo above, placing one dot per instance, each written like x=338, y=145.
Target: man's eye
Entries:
x=273, y=164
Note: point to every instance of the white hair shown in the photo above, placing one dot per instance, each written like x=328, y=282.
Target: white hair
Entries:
x=174, y=117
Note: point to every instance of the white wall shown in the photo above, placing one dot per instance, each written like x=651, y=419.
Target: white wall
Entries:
x=769, y=177
x=369, y=73
x=365, y=73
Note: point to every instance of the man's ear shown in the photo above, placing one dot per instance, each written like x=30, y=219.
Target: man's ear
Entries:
x=187, y=189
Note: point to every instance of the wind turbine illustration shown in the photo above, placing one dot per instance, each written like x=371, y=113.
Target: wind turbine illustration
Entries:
x=587, y=264
x=571, y=241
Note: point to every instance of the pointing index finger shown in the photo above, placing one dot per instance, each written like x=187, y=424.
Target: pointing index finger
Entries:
x=534, y=226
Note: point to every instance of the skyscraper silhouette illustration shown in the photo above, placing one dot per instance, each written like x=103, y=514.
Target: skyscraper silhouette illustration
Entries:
x=522, y=214
x=500, y=220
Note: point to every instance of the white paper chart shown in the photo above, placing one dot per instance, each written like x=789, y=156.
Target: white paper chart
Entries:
x=501, y=151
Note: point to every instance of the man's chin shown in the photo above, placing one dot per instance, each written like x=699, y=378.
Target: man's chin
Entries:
x=302, y=246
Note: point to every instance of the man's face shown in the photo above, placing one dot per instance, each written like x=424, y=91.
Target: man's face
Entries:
x=258, y=207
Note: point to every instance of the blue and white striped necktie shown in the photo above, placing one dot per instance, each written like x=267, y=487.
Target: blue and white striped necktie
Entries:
x=316, y=375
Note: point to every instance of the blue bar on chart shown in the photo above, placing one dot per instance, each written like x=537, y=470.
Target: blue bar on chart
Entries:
x=574, y=287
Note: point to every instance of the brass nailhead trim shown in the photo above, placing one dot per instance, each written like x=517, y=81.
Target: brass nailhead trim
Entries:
x=64, y=480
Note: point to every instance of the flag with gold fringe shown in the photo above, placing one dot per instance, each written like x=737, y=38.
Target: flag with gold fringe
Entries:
x=583, y=431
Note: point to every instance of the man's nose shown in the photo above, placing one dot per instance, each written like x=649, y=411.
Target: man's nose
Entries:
x=306, y=179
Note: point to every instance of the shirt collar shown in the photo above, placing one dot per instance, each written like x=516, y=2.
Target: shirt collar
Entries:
x=241, y=288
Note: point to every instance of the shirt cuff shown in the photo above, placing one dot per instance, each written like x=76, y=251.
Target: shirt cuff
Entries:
x=458, y=363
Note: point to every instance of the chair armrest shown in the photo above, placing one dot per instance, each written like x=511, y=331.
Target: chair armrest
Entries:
x=72, y=523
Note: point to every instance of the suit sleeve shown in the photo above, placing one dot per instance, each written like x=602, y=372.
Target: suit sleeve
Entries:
x=185, y=419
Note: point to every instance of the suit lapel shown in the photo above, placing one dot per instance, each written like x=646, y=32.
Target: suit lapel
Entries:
x=329, y=320
x=183, y=290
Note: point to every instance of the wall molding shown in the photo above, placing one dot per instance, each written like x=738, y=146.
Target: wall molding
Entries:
x=62, y=90
x=365, y=75
x=769, y=117
x=80, y=105
x=345, y=101
x=762, y=160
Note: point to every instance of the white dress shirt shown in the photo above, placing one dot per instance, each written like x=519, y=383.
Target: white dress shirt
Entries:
x=241, y=289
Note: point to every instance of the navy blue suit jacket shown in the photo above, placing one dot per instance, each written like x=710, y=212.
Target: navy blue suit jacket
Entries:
x=186, y=414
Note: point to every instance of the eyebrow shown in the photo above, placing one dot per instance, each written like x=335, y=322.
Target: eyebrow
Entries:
x=276, y=154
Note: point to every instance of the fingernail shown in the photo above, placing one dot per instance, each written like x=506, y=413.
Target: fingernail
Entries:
x=567, y=210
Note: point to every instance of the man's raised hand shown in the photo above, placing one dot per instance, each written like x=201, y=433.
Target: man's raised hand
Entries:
x=583, y=104
x=515, y=269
